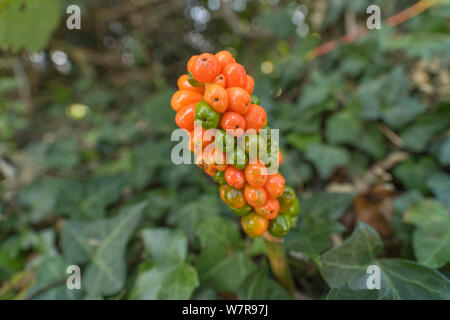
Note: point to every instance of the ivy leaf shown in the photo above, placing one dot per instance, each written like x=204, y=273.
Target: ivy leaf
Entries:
x=345, y=293
x=327, y=158
x=343, y=127
x=439, y=184
x=102, y=245
x=415, y=173
x=326, y=205
x=347, y=265
x=431, y=239
x=165, y=246
x=176, y=282
x=258, y=286
x=32, y=32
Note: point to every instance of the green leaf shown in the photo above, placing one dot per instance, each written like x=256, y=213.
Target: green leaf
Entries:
x=312, y=237
x=159, y=283
x=327, y=158
x=258, y=286
x=444, y=154
x=33, y=32
x=347, y=265
x=165, y=246
x=415, y=173
x=61, y=155
x=439, y=184
x=102, y=244
x=326, y=205
x=431, y=239
x=345, y=293
x=343, y=127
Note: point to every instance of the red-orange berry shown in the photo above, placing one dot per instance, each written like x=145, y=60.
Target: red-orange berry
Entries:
x=239, y=100
x=205, y=68
x=275, y=185
x=256, y=117
x=269, y=209
x=255, y=196
x=235, y=75
x=235, y=177
x=233, y=121
x=256, y=174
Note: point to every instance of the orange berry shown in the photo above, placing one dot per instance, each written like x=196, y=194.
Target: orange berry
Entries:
x=183, y=84
x=239, y=100
x=233, y=121
x=250, y=84
x=182, y=98
x=275, y=185
x=216, y=97
x=254, y=225
x=215, y=157
x=255, y=196
x=220, y=80
x=185, y=117
x=256, y=117
x=198, y=140
x=235, y=75
x=224, y=58
x=235, y=177
x=205, y=68
x=256, y=174
x=268, y=209
x=191, y=63
x=202, y=163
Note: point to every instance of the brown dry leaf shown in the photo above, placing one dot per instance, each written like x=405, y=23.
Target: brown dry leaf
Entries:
x=375, y=208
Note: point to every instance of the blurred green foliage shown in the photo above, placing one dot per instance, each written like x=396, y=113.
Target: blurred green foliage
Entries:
x=85, y=169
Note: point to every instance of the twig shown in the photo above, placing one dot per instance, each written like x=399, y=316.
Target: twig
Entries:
x=396, y=19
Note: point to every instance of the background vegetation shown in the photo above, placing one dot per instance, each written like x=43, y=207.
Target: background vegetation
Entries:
x=85, y=169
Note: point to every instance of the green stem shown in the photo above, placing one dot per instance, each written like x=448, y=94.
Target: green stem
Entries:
x=278, y=262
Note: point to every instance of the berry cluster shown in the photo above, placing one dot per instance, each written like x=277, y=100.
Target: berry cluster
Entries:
x=216, y=93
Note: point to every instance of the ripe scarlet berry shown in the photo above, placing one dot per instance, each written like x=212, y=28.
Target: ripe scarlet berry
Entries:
x=224, y=58
x=268, y=209
x=216, y=97
x=256, y=174
x=220, y=80
x=250, y=84
x=254, y=225
x=239, y=100
x=275, y=185
x=183, y=84
x=190, y=63
x=205, y=68
x=182, y=98
x=255, y=196
x=256, y=117
x=185, y=117
x=233, y=121
x=235, y=177
x=235, y=75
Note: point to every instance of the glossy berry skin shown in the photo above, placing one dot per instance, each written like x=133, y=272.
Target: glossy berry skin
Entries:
x=234, y=197
x=235, y=75
x=216, y=97
x=294, y=210
x=219, y=177
x=239, y=100
x=182, y=98
x=223, y=140
x=190, y=63
x=255, y=196
x=242, y=211
x=205, y=68
x=256, y=174
x=256, y=117
x=209, y=168
x=250, y=84
x=275, y=185
x=224, y=57
x=287, y=199
x=254, y=145
x=216, y=157
x=238, y=158
x=268, y=209
x=280, y=226
x=254, y=225
x=184, y=84
x=206, y=115
x=185, y=117
x=222, y=190
x=220, y=80
x=235, y=177
x=233, y=121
